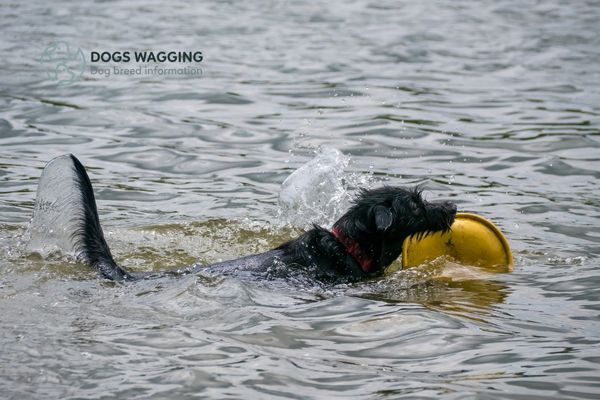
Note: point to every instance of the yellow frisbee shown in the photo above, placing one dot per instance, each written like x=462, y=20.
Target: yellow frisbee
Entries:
x=472, y=240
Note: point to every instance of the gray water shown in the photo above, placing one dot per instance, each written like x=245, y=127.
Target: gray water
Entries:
x=494, y=105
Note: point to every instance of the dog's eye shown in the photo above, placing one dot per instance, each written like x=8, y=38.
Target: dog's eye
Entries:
x=415, y=207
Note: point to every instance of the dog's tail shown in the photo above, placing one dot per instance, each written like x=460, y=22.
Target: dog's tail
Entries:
x=65, y=212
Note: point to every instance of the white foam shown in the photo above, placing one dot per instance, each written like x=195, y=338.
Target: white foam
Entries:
x=316, y=193
x=57, y=207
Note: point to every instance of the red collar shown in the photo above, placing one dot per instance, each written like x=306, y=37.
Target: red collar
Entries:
x=353, y=248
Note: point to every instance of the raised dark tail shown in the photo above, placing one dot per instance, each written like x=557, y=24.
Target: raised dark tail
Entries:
x=88, y=238
x=65, y=216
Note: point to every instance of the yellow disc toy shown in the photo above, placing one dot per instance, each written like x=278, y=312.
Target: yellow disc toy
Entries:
x=472, y=240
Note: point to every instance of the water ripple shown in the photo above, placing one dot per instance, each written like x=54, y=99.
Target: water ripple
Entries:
x=493, y=106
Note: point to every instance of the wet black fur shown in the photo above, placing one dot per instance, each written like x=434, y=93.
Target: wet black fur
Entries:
x=90, y=245
x=379, y=221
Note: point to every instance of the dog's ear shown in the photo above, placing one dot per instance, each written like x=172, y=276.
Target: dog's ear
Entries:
x=383, y=217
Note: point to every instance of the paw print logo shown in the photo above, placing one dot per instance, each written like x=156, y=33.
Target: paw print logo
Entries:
x=63, y=63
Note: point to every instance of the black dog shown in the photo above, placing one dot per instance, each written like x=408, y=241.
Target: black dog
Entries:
x=365, y=240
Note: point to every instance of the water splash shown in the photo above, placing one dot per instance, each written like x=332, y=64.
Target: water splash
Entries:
x=57, y=207
x=316, y=192
x=319, y=192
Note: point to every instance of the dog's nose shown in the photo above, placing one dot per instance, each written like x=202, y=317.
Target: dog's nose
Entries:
x=450, y=206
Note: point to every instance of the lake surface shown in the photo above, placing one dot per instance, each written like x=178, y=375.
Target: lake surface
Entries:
x=494, y=105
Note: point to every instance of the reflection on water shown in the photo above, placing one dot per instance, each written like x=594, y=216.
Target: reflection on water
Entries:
x=443, y=285
x=494, y=106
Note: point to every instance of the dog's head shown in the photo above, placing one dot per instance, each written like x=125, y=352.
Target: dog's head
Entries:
x=374, y=228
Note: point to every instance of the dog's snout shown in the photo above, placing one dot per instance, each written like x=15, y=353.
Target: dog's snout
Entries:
x=450, y=206
x=446, y=206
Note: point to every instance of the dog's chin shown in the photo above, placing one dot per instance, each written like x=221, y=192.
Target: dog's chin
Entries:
x=421, y=234
x=443, y=227
x=448, y=223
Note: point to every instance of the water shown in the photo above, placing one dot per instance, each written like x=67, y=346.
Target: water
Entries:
x=494, y=105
